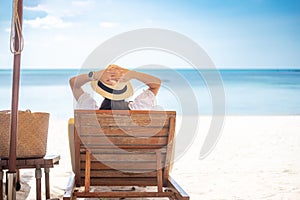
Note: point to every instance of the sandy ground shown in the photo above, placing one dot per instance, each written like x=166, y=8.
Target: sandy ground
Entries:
x=257, y=157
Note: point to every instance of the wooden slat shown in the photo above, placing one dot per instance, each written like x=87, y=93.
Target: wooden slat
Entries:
x=127, y=130
x=134, y=141
x=139, y=166
x=113, y=147
x=119, y=151
x=123, y=194
x=120, y=121
x=118, y=174
x=127, y=181
x=134, y=157
x=123, y=112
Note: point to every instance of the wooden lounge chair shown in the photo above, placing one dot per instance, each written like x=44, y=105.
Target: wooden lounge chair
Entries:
x=123, y=148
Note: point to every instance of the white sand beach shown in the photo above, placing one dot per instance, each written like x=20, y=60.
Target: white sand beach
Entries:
x=257, y=157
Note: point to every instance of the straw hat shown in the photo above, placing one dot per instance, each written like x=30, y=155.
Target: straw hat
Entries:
x=117, y=90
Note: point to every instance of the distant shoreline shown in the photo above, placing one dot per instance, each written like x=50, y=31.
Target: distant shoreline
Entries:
x=176, y=69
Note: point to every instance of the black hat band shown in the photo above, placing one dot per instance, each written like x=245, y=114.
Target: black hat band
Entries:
x=111, y=91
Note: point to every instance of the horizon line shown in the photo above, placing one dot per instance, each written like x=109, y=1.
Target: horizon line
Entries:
x=176, y=68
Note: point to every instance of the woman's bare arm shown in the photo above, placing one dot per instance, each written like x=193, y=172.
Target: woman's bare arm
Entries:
x=151, y=81
x=77, y=82
x=124, y=75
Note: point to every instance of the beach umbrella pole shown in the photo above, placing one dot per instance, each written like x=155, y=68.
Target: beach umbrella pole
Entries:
x=16, y=48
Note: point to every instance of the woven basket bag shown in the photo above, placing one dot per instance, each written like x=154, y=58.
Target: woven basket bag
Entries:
x=32, y=134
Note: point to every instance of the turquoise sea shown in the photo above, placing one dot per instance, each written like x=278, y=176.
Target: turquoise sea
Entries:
x=246, y=92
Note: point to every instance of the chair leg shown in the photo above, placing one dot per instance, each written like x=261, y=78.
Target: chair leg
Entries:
x=159, y=171
x=87, y=171
x=38, y=177
x=179, y=193
x=70, y=189
x=1, y=184
x=47, y=182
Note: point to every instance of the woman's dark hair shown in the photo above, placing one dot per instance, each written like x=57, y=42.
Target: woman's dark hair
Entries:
x=108, y=104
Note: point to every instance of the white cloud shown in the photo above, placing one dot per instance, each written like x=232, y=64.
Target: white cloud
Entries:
x=57, y=12
x=108, y=24
x=47, y=22
x=38, y=8
x=65, y=8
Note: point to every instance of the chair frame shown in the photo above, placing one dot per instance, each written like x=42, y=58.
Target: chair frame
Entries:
x=155, y=148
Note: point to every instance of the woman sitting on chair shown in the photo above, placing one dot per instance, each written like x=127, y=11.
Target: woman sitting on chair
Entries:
x=114, y=85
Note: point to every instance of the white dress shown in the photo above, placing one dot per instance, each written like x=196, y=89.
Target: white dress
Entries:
x=144, y=101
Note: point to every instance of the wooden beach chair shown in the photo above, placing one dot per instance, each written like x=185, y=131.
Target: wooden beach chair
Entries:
x=123, y=148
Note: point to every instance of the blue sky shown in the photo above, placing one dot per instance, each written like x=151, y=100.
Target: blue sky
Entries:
x=234, y=33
